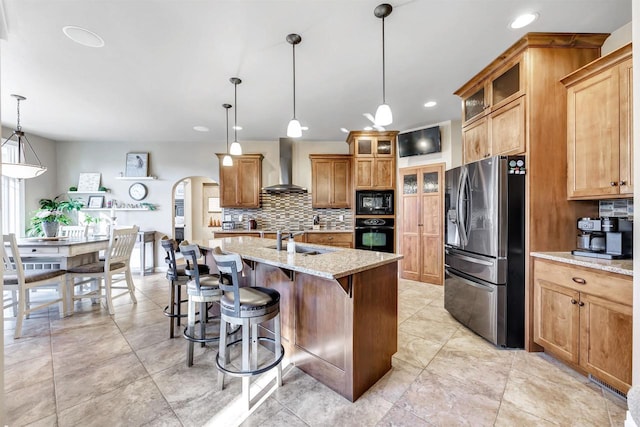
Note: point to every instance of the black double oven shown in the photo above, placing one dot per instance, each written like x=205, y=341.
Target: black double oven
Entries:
x=374, y=227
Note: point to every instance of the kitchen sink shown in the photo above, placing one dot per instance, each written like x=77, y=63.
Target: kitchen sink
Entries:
x=304, y=250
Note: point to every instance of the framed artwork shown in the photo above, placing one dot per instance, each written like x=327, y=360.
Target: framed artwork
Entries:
x=214, y=204
x=89, y=181
x=95, y=202
x=137, y=164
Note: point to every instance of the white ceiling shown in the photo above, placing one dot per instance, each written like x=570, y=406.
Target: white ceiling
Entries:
x=166, y=64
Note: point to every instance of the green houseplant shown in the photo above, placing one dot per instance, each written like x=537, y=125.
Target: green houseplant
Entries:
x=51, y=214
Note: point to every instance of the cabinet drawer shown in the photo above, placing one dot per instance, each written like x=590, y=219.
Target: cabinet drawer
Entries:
x=337, y=239
x=27, y=251
x=611, y=286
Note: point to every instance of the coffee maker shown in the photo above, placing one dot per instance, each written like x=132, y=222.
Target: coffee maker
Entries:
x=606, y=237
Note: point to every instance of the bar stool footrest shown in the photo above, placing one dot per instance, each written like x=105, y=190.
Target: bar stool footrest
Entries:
x=205, y=340
x=168, y=314
x=253, y=372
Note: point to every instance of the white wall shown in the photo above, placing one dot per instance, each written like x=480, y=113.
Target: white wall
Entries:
x=301, y=174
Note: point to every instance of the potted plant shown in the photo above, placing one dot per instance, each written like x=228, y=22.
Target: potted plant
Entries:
x=51, y=214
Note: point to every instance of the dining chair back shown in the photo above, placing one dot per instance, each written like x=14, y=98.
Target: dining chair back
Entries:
x=115, y=264
x=19, y=283
x=73, y=231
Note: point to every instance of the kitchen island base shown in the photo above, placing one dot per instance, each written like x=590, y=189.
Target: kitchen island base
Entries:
x=343, y=332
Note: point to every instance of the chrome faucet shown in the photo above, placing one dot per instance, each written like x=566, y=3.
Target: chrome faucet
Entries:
x=280, y=236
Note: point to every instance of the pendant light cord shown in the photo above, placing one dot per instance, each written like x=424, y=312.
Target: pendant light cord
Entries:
x=294, y=81
x=227, y=130
x=235, y=112
x=384, y=101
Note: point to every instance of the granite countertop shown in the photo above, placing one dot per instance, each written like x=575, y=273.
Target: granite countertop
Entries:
x=619, y=266
x=333, y=264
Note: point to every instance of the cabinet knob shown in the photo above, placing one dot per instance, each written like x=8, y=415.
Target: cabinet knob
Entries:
x=579, y=280
x=573, y=301
x=580, y=303
x=613, y=183
x=623, y=183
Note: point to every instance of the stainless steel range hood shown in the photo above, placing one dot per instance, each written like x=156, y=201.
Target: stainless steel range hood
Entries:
x=286, y=157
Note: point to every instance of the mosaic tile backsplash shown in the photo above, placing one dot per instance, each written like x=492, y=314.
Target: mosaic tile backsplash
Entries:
x=622, y=207
x=289, y=211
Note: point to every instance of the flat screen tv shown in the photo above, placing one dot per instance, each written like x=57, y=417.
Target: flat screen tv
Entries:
x=418, y=142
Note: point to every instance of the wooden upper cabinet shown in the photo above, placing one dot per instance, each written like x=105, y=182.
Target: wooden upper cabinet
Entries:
x=374, y=156
x=494, y=115
x=240, y=184
x=331, y=181
x=599, y=128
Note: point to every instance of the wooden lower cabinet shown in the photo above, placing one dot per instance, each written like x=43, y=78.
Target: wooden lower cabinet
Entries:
x=342, y=240
x=584, y=317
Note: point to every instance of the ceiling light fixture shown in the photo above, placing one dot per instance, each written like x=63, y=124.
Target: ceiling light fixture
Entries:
x=83, y=36
x=383, y=113
x=294, y=130
x=523, y=20
x=430, y=104
x=21, y=169
x=227, y=160
x=236, y=148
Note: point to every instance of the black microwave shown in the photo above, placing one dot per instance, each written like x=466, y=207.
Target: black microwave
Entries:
x=374, y=202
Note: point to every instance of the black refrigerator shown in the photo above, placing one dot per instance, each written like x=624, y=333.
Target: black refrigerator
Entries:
x=484, y=248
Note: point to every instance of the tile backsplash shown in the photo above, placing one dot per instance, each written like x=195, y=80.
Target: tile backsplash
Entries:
x=621, y=207
x=289, y=211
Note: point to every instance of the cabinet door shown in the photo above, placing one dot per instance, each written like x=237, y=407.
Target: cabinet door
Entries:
x=410, y=231
x=383, y=173
x=626, y=127
x=508, y=85
x=556, y=318
x=605, y=341
x=431, y=225
x=474, y=105
x=475, y=139
x=249, y=180
x=341, y=184
x=507, y=127
x=385, y=147
x=228, y=183
x=364, y=147
x=364, y=172
x=321, y=177
x=593, y=136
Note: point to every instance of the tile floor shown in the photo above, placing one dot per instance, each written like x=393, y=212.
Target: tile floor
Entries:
x=93, y=369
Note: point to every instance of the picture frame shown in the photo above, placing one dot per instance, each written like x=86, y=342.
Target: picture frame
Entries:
x=137, y=164
x=95, y=202
x=214, y=204
x=89, y=181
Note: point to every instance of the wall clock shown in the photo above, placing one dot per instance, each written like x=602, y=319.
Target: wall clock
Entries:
x=138, y=191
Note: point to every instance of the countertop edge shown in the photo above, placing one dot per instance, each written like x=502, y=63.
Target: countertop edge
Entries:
x=624, y=266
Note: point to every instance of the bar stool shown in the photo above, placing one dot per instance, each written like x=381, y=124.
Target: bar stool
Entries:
x=248, y=307
x=200, y=289
x=177, y=278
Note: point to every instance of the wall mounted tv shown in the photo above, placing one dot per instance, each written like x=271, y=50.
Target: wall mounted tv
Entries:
x=421, y=141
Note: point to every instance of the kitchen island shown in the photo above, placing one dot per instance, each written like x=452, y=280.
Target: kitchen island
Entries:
x=338, y=308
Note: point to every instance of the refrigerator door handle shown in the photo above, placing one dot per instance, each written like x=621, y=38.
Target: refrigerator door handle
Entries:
x=468, y=258
x=462, y=199
x=469, y=282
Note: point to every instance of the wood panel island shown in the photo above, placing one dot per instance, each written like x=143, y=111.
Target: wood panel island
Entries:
x=338, y=308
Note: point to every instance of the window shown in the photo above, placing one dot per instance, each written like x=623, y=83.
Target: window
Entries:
x=12, y=201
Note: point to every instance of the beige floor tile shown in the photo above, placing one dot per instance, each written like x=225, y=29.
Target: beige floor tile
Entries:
x=433, y=331
x=271, y=413
x=415, y=350
x=137, y=403
x=67, y=358
x=398, y=417
x=395, y=382
x=29, y=372
x=142, y=336
x=573, y=403
x=167, y=353
x=445, y=400
x=133, y=319
x=20, y=350
x=29, y=404
x=81, y=385
x=50, y=421
x=617, y=408
x=510, y=415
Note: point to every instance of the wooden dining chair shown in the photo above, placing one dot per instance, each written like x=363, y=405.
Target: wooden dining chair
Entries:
x=115, y=268
x=73, y=231
x=20, y=283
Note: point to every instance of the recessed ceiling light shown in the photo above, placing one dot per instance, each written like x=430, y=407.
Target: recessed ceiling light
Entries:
x=523, y=20
x=368, y=128
x=83, y=36
x=237, y=127
x=345, y=130
x=430, y=104
x=201, y=128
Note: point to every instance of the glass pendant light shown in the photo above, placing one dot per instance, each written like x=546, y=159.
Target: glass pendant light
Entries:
x=227, y=160
x=383, y=113
x=235, y=149
x=294, y=130
x=21, y=169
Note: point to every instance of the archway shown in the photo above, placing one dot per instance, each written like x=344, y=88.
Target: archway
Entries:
x=194, y=207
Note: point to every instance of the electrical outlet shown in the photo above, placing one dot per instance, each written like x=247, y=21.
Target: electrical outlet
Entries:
x=341, y=218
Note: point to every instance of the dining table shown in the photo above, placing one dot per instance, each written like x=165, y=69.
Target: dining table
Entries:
x=68, y=252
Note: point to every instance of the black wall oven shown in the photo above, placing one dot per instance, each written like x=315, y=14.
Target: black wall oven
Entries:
x=375, y=234
x=374, y=202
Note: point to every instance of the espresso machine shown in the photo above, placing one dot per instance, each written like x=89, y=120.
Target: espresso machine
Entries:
x=606, y=238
